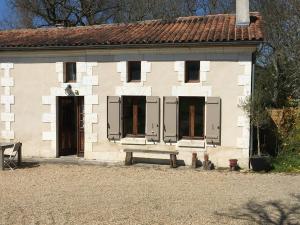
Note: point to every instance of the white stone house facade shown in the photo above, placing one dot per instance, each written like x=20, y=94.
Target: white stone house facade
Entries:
x=35, y=99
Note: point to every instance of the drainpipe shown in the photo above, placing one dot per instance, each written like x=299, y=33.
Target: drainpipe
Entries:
x=252, y=92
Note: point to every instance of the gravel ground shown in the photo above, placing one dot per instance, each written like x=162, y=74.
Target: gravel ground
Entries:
x=86, y=194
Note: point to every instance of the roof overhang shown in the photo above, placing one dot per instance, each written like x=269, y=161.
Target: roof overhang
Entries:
x=138, y=46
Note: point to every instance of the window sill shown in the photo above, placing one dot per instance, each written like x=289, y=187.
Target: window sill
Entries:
x=191, y=143
x=134, y=81
x=133, y=141
x=192, y=82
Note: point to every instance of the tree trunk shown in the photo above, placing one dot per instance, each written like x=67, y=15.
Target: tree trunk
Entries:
x=258, y=141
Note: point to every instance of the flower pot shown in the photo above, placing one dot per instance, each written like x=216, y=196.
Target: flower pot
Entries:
x=260, y=163
x=233, y=164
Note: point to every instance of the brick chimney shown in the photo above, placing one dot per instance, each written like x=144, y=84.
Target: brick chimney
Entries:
x=242, y=13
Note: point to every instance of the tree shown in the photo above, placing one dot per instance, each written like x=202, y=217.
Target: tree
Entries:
x=281, y=51
x=256, y=105
x=38, y=13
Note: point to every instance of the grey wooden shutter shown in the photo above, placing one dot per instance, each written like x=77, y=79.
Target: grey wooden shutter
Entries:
x=170, y=119
x=113, y=118
x=213, y=120
x=152, y=118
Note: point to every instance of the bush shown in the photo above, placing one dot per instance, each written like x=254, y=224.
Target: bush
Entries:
x=288, y=162
x=288, y=159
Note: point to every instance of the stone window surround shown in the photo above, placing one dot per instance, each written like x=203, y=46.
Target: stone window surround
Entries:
x=184, y=89
x=243, y=121
x=86, y=79
x=7, y=100
x=133, y=88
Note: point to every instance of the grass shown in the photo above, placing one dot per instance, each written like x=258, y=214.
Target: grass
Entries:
x=288, y=162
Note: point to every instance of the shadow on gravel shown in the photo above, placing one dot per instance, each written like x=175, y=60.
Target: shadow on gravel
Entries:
x=271, y=212
x=28, y=165
x=156, y=161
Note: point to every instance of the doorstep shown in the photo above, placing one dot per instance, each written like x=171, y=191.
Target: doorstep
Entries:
x=69, y=160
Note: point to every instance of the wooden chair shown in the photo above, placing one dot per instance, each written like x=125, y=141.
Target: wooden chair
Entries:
x=10, y=156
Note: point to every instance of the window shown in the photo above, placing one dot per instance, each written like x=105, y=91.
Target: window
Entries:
x=191, y=117
x=70, y=72
x=134, y=115
x=192, y=71
x=134, y=71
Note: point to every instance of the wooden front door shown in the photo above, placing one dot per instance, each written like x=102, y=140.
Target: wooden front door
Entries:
x=71, y=126
x=80, y=126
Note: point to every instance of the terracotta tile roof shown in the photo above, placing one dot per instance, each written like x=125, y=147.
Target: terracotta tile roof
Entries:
x=214, y=29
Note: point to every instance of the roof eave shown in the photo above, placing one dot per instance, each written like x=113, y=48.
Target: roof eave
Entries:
x=133, y=46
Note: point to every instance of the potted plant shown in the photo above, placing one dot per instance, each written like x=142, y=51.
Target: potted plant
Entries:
x=258, y=114
x=233, y=165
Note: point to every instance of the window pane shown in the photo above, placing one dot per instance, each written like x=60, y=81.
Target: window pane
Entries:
x=134, y=71
x=199, y=119
x=141, y=116
x=186, y=106
x=134, y=124
x=184, y=118
x=70, y=72
x=192, y=71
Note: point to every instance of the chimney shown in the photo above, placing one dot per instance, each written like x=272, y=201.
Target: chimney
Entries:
x=242, y=13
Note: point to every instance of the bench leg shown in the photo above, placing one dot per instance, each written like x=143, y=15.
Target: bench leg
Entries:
x=194, y=161
x=173, y=160
x=20, y=156
x=128, y=159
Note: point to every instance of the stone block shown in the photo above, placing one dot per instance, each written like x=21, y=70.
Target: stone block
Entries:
x=192, y=90
x=7, y=134
x=242, y=143
x=179, y=66
x=122, y=67
x=81, y=67
x=241, y=100
x=48, y=100
x=7, y=99
x=205, y=66
x=203, y=76
x=88, y=108
x=90, y=80
x=7, y=82
x=91, y=118
x=48, y=118
x=88, y=147
x=91, y=100
x=7, y=65
x=7, y=117
x=134, y=90
x=59, y=66
x=145, y=67
x=60, y=77
x=247, y=90
x=49, y=136
x=91, y=137
x=56, y=91
x=244, y=80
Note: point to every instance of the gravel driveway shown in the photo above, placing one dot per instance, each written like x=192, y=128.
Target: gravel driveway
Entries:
x=83, y=194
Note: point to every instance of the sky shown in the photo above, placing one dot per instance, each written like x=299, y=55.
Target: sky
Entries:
x=3, y=9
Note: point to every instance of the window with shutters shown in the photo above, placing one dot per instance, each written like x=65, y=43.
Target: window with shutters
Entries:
x=70, y=72
x=134, y=71
x=191, y=117
x=134, y=115
x=192, y=71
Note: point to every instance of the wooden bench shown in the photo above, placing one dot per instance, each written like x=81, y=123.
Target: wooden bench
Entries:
x=129, y=155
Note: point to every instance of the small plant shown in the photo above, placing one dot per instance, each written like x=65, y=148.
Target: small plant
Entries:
x=258, y=114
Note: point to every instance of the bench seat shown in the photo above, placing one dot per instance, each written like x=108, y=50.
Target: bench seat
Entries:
x=129, y=155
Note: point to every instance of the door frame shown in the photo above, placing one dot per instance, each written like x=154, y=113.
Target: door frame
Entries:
x=77, y=122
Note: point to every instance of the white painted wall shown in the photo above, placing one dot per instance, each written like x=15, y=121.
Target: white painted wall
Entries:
x=35, y=81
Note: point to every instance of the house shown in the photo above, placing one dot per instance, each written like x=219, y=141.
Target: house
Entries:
x=94, y=91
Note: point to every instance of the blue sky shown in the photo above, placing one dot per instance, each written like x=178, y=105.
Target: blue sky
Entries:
x=3, y=9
